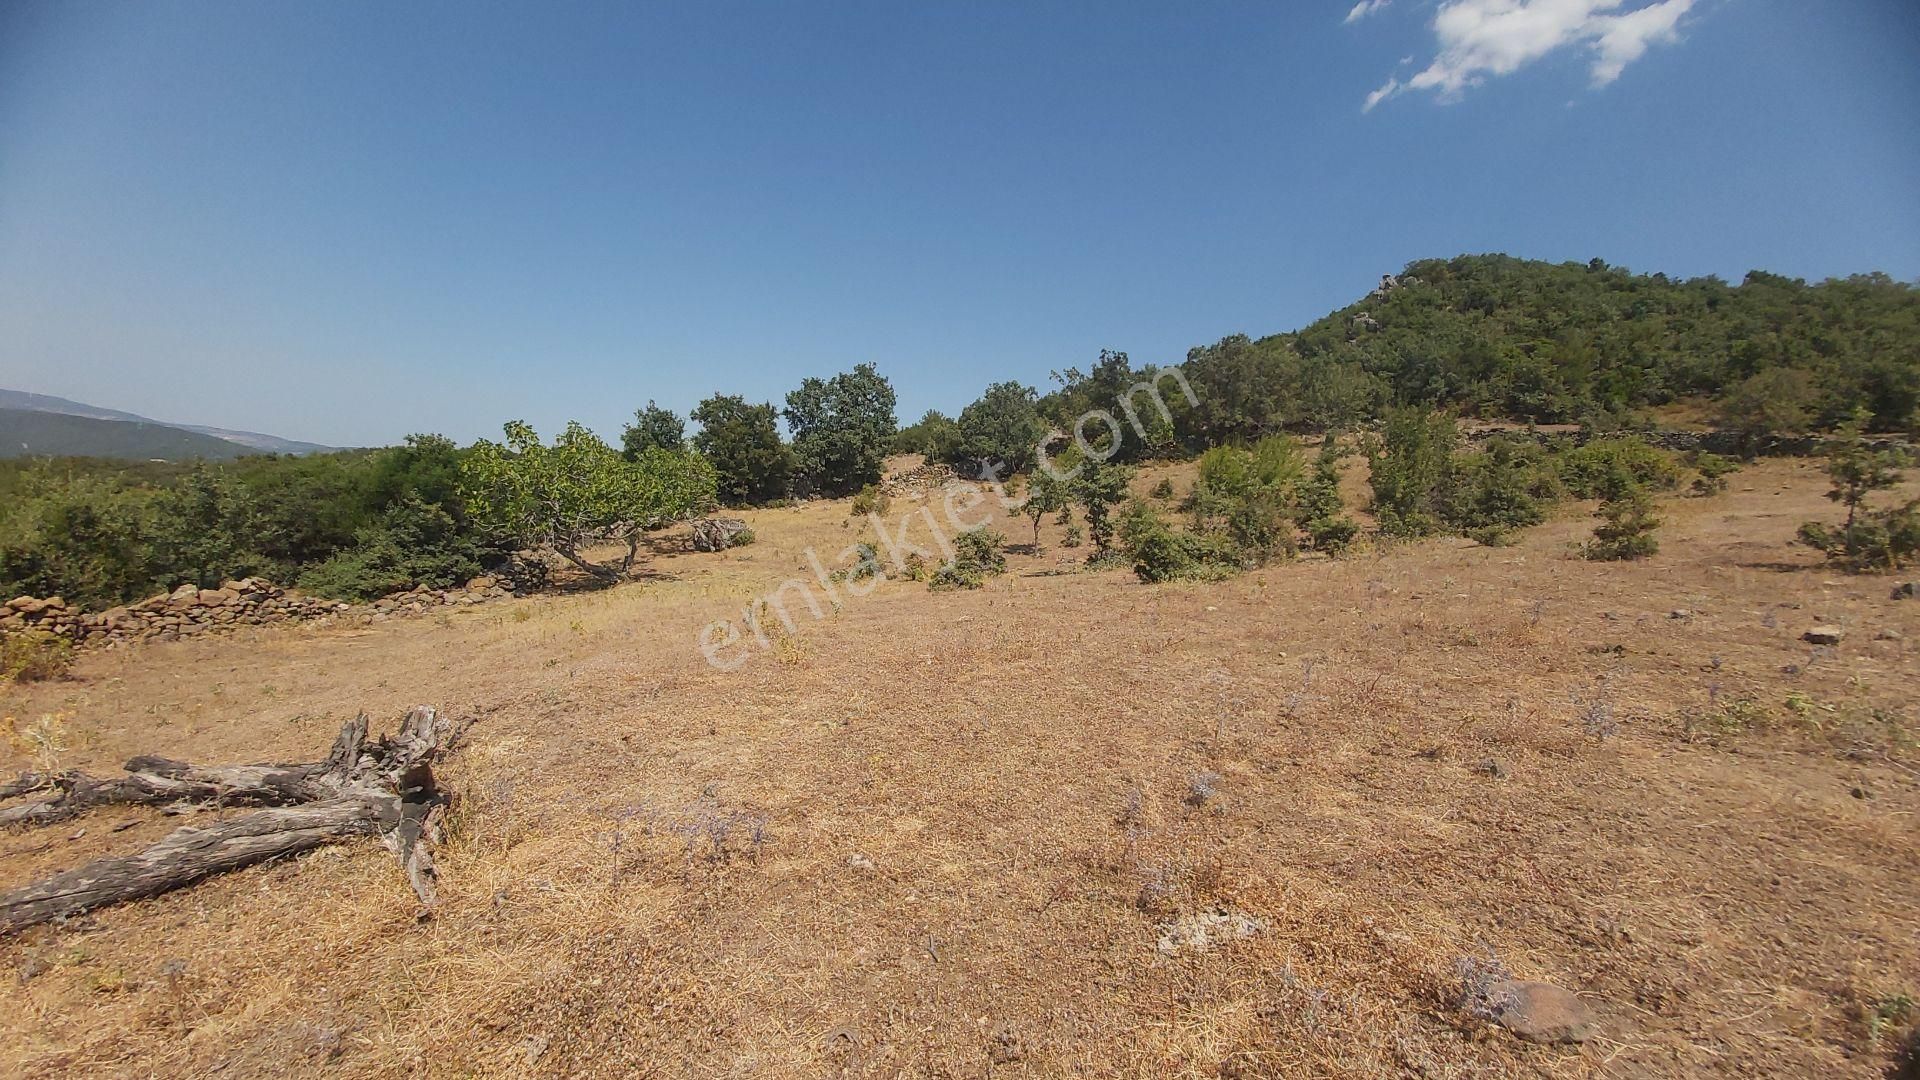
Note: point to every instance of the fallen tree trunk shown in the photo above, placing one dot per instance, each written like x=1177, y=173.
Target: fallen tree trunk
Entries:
x=359, y=790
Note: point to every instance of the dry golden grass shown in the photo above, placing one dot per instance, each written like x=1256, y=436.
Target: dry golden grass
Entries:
x=939, y=834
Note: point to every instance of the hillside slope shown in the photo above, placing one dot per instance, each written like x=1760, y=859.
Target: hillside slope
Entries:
x=253, y=441
x=25, y=433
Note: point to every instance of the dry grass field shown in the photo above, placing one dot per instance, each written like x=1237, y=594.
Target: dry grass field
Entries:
x=942, y=834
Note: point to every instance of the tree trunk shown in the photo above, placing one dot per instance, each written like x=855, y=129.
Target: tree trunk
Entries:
x=385, y=789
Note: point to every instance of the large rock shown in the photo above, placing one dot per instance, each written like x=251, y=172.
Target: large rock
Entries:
x=1541, y=1012
x=1823, y=635
x=218, y=597
x=716, y=534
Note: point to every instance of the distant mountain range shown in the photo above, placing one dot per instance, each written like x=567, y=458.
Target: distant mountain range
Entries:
x=39, y=425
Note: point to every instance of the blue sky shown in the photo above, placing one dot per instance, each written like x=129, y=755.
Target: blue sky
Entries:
x=347, y=221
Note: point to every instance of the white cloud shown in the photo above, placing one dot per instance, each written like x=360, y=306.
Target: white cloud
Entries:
x=1479, y=39
x=1391, y=88
x=1365, y=8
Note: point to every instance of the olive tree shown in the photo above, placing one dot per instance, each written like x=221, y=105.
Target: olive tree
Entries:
x=580, y=491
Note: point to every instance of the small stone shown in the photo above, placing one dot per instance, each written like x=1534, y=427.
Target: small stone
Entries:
x=859, y=862
x=482, y=583
x=1888, y=634
x=1822, y=635
x=1541, y=1012
x=1679, y=613
x=1905, y=590
x=1493, y=767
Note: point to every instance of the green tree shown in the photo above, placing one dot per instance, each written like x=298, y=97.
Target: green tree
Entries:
x=935, y=436
x=743, y=443
x=1003, y=427
x=1045, y=495
x=1098, y=488
x=579, y=490
x=1777, y=401
x=841, y=427
x=1409, y=464
x=654, y=427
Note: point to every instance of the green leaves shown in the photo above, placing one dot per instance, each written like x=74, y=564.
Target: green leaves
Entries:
x=579, y=490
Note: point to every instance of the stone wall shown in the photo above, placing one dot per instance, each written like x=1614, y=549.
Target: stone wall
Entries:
x=189, y=611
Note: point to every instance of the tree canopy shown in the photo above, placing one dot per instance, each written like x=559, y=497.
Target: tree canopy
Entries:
x=841, y=429
x=579, y=491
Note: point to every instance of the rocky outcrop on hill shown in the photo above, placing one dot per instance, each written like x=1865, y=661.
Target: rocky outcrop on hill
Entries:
x=190, y=611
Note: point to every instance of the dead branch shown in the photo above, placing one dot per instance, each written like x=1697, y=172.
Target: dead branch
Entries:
x=386, y=789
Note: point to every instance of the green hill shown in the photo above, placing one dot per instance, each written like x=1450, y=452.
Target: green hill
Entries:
x=1496, y=336
x=25, y=433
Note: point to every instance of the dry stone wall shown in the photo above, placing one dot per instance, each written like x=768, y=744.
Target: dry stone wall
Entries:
x=190, y=611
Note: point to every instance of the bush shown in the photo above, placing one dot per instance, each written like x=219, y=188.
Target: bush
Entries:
x=977, y=555
x=1869, y=539
x=1879, y=539
x=1163, y=489
x=1409, y=464
x=742, y=538
x=1587, y=471
x=1627, y=526
x=1332, y=535
x=1160, y=553
x=32, y=655
x=1713, y=470
x=870, y=500
x=1507, y=485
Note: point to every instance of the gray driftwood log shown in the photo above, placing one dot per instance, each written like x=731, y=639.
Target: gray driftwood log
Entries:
x=382, y=788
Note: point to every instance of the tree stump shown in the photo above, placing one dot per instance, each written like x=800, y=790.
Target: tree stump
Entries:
x=716, y=534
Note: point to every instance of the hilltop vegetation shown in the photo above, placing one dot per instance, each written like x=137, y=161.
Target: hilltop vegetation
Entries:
x=1487, y=336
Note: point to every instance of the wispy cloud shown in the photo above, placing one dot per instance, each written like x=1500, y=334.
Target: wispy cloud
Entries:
x=1365, y=8
x=1479, y=39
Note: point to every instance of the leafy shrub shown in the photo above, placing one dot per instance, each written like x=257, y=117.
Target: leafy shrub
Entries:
x=1878, y=539
x=1409, y=463
x=742, y=538
x=870, y=500
x=1163, y=489
x=32, y=655
x=1869, y=539
x=978, y=555
x=414, y=543
x=1332, y=535
x=1627, y=526
x=1588, y=471
x=1075, y=535
x=1507, y=485
x=1713, y=470
x=1160, y=553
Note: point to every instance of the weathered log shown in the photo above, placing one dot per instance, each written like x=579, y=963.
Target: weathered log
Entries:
x=386, y=789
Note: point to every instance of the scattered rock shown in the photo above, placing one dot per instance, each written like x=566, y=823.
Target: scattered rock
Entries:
x=1888, y=634
x=1822, y=635
x=1541, y=1012
x=1905, y=590
x=1493, y=767
x=1206, y=930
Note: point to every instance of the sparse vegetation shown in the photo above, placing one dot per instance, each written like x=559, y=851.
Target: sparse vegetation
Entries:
x=1883, y=539
x=33, y=655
